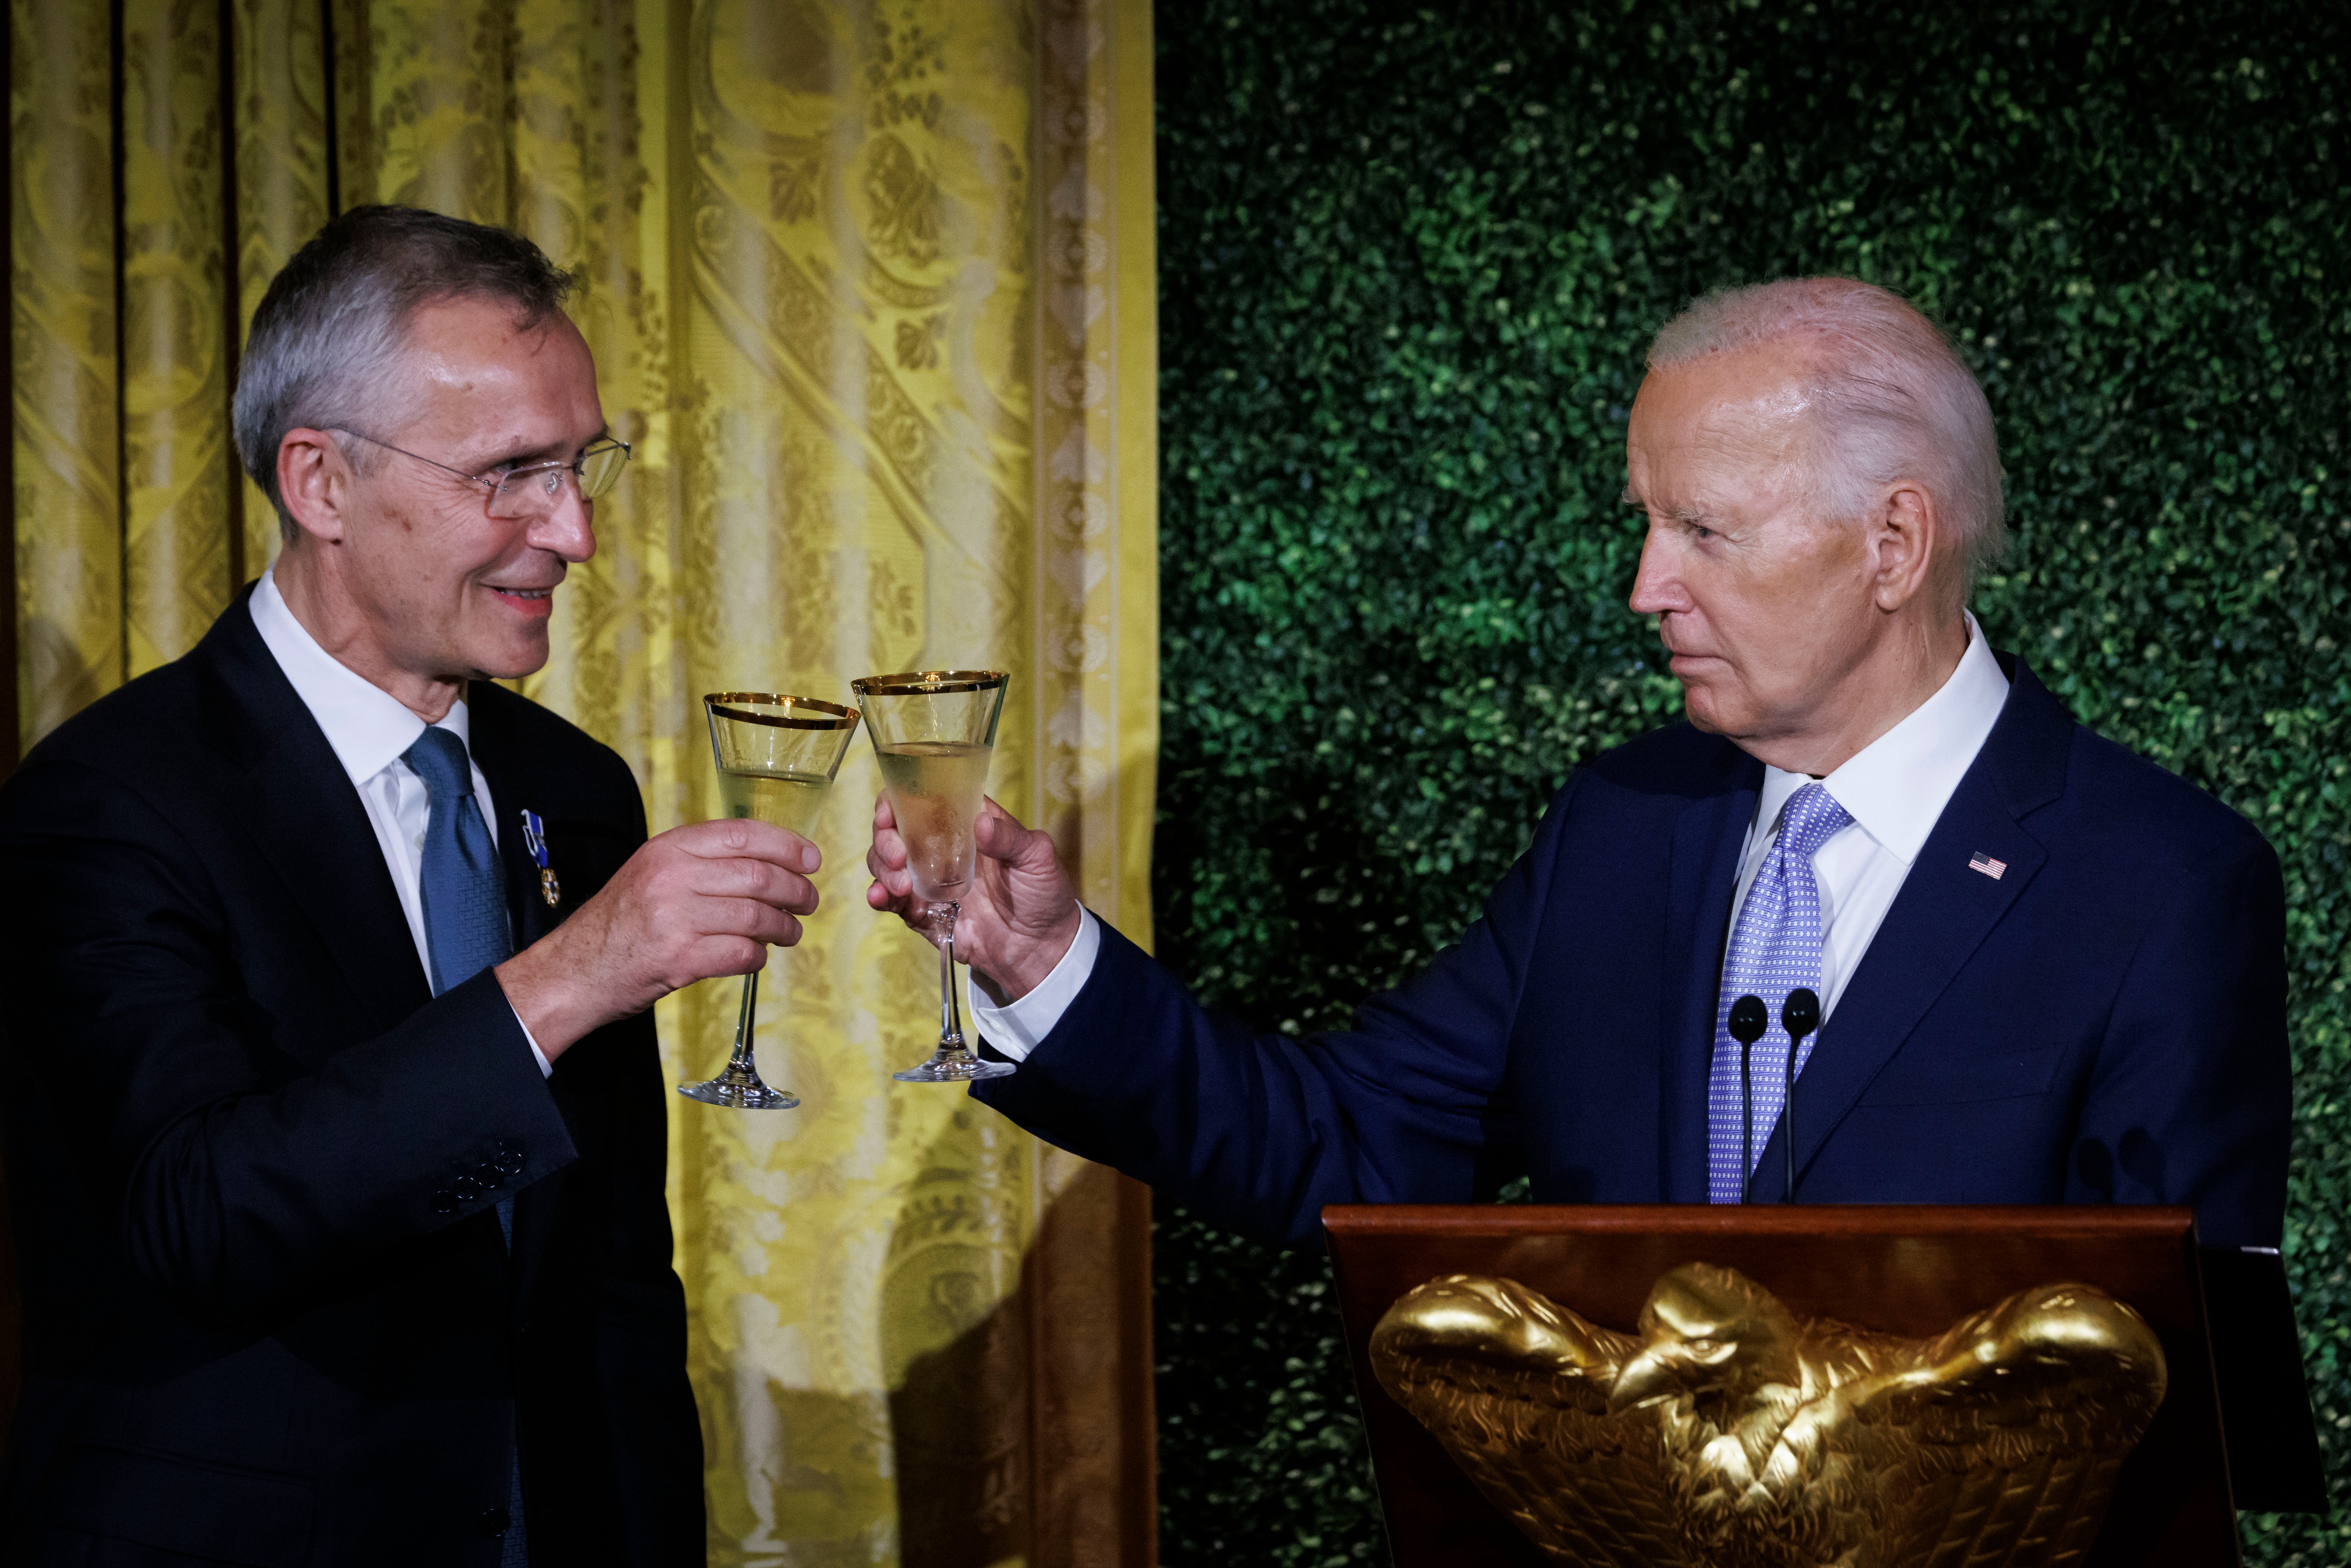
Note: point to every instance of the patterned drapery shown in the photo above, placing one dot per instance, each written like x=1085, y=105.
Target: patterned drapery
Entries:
x=869, y=286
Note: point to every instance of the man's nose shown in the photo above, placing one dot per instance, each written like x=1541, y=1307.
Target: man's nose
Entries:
x=568, y=528
x=1656, y=586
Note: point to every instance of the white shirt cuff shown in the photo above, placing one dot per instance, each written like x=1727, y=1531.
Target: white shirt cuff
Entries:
x=1015, y=1029
x=546, y=1067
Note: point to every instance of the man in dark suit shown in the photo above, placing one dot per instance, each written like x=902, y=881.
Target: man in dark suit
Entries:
x=2051, y=972
x=334, y=1115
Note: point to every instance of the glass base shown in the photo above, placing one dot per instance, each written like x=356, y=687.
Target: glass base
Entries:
x=953, y=1067
x=745, y=1094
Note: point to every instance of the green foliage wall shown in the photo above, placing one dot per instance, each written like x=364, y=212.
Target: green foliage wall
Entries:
x=1409, y=261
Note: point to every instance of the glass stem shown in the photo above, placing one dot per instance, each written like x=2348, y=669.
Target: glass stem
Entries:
x=950, y=1016
x=738, y=1066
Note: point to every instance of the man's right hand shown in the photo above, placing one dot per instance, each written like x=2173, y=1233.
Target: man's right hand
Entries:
x=699, y=901
x=1019, y=916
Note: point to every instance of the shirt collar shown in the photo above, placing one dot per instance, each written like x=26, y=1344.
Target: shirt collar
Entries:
x=368, y=727
x=1897, y=786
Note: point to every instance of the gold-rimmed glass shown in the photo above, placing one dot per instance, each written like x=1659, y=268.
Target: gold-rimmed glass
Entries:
x=932, y=732
x=777, y=757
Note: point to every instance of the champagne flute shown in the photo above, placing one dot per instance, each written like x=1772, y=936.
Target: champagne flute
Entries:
x=933, y=731
x=776, y=755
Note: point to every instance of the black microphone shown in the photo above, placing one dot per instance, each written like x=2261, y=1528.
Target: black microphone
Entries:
x=1799, y=1017
x=1748, y=1022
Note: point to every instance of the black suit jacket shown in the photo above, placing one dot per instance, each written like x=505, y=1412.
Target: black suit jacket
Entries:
x=269, y=1316
x=2103, y=1022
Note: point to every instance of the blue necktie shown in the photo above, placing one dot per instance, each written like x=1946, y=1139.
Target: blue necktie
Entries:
x=1775, y=949
x=465, y=931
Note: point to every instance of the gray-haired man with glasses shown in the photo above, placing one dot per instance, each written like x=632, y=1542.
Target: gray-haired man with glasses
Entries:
x=334, y=1114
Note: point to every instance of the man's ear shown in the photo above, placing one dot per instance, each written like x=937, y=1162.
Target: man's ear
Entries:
x=314, y=482
x=1906, y=546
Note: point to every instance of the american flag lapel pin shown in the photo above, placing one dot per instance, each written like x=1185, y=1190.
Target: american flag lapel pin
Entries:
x=1986, y=864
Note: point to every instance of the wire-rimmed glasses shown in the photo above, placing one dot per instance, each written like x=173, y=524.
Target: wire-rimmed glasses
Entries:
x=529, y=491
x=932, y=732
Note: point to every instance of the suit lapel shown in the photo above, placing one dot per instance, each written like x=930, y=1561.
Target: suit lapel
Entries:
x=1707, y=836
x=507, y=772
x=308, y=821
x=508, y=775
x=1941, y=917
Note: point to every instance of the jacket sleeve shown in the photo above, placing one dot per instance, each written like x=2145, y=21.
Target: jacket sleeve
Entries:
x=1260, y=1131
x=240, y=1169
x=2190, y=1100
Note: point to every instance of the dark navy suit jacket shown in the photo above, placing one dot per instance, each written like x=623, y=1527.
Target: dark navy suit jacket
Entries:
x=253, y=1162
x=2103, y=1022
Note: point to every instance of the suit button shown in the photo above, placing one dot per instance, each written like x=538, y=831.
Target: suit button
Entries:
x=468, y=1188
x=509, y=1161
x=492, y=1522
x=490, y=1176
x=445, y=1202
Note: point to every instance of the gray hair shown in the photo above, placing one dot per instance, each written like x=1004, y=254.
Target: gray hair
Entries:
x=1891, y=399
x=328, y=336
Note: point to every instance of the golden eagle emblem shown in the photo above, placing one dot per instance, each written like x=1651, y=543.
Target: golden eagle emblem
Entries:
x=1726, y=1432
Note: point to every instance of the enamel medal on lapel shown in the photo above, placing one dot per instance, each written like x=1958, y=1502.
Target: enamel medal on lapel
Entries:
x=534, y=838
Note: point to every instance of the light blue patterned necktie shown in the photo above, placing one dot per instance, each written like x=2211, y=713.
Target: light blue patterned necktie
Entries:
x=1775, y=949
x=464, y=893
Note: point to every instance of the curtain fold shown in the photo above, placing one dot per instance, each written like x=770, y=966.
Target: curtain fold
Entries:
x=870, y=288
x=67, y=489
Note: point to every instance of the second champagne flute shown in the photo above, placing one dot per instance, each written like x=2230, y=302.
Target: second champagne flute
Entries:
x=934, y=731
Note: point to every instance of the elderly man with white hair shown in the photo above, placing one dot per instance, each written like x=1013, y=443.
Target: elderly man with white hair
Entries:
x=2012, y=962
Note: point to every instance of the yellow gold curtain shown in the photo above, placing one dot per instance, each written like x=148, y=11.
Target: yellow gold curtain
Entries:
x=870, y=288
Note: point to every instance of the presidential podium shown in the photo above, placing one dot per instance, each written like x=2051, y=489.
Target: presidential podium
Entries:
x=2223, y=1321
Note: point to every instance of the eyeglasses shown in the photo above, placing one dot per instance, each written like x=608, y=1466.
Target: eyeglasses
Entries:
x=530, y=491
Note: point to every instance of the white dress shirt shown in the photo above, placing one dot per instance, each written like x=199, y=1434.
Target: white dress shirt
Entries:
x=370, y=729
x=1894, y=789
x=1016, y=1030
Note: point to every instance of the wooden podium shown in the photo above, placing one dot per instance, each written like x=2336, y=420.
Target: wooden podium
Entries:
x=1904, y=1271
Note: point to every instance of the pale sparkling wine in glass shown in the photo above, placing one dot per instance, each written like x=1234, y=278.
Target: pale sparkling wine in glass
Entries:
x=932, y=732
x=783, y=798
x=776, y=754
x=936, y=787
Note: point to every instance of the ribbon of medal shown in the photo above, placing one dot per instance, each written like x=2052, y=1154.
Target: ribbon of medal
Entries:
x=534, y=838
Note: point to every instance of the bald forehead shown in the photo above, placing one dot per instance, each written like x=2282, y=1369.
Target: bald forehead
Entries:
x=1711, y=431
x=1758, y=395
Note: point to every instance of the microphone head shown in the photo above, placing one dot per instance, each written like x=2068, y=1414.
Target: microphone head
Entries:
x=1802, y=1013
x=1748, y=1020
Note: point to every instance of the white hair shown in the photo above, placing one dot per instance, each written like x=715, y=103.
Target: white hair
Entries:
x=1890, y=399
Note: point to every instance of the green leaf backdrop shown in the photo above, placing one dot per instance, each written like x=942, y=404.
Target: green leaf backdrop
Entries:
x=1409, y=261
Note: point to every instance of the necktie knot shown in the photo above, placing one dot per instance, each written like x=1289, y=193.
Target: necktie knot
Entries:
x=1809, y=820
x=439, y=758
